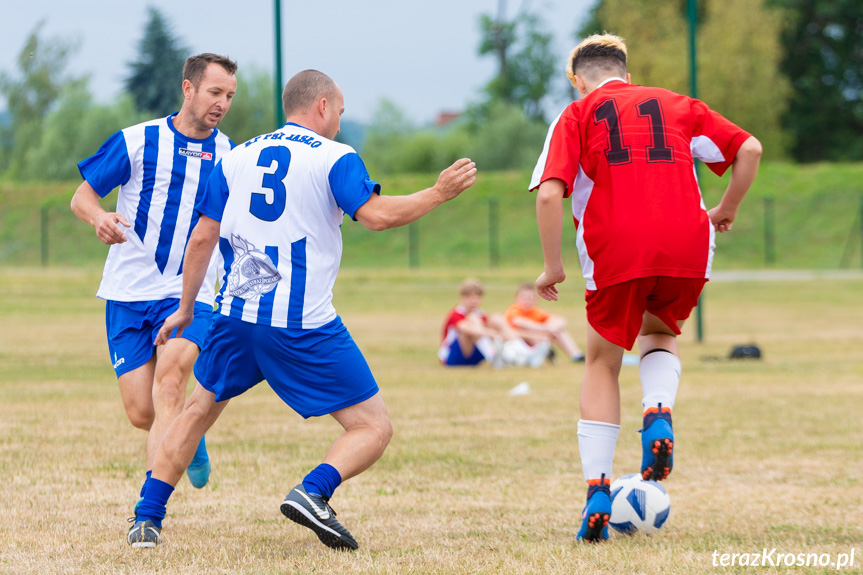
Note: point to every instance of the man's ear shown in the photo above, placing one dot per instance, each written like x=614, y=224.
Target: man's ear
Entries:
x=188, y=89
x=581, y=85
x=628, y=78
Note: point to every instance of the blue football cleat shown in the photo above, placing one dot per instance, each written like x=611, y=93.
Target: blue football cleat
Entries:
x=597, y=511
x=657, y=444
x=199, y=469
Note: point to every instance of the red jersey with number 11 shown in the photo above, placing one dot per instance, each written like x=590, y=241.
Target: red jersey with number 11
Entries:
x=625, y=154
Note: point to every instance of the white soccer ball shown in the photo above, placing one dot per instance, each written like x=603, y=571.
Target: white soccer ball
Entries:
x=515, y=353
x=638, y=506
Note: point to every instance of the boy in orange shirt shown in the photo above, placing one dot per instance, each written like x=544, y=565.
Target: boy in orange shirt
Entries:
x=536, y=325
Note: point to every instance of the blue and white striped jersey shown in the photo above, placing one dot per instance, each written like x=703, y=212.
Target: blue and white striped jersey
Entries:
x=281, y=198
x=161, y=174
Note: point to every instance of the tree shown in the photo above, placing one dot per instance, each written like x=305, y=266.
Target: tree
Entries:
x=74, y=130
x=251, y=110
x=508, y=139
x=29, y=99
x=738, y=53
x=156, y=75
x=526, y=63
x=385, y=138
x=824, y=60
x=739, y=74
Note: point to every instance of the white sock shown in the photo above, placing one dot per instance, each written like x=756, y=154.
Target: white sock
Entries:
x=596, y=443
x=486, y=347
x=660, y=378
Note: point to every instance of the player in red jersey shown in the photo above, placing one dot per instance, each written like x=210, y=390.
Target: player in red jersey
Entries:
x=624, y=154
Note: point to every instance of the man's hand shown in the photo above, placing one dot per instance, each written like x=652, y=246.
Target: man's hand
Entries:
x=456, y=178
x=179, y=319
x=546, y=284
x=108, y=228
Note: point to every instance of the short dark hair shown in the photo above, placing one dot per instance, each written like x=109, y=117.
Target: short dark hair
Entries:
x=304, y=89
x=193, y=69
x=597, y=55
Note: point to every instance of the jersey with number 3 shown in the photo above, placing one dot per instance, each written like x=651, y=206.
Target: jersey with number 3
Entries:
x=625, y=154
x=281, y=199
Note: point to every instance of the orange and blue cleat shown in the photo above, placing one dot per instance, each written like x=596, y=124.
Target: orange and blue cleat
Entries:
x=597, y=511
x=657, y=444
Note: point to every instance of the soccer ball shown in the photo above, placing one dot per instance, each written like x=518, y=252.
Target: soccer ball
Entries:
x=638, y=505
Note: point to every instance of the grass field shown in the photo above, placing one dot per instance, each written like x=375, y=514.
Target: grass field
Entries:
x=769, y=453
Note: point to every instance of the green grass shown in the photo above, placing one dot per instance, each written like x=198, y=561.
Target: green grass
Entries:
x=816, y=224
x=767, y=456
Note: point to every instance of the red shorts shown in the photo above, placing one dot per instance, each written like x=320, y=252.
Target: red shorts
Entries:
x=616, y=312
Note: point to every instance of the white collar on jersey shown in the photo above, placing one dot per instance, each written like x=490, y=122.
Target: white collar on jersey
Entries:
x=607, y=80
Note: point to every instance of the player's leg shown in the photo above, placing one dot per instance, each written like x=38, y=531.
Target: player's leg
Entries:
x=173, y=456
x=659, y=371
x=613, y=319
x=669, y=304
x=598, y=430
x=174, y=364
x=367, y=432
x=227, y=368
x=131, y=352
x=322, y=372
x=133, y=357
x=136, y=391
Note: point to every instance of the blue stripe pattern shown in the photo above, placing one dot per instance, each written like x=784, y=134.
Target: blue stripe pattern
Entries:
x=298, y=284
x=206, y=167
x=265, y=306
x=151, y=157
x=172, y=205
x=237, y=303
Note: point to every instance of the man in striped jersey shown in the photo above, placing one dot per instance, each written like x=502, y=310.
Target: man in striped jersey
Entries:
x=274, y=207
x=161, y=168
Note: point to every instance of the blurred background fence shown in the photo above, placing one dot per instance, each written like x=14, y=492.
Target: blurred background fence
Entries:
x=781, y=226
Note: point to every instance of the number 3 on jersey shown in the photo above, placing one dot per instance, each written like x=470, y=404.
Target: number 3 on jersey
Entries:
x=259, y=206
x=618, y=153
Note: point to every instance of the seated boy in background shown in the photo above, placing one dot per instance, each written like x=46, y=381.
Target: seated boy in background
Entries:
x=535, y=325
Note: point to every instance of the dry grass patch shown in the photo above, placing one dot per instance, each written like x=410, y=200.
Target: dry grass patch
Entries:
x=474, y=481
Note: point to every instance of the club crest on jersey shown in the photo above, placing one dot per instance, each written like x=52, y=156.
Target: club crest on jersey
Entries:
x=196, y=154
x=253, y=272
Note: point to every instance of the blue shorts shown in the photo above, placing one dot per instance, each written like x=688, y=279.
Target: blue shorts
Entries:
x=457, y=358
x=315, y=371
x=133, y=325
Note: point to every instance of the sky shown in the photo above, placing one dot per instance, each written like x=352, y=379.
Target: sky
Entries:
x=420, y=55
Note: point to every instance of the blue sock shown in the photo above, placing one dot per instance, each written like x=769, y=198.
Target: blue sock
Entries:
x=322, y=480
x=201, y=456
x=156, y=494
x=149, y=473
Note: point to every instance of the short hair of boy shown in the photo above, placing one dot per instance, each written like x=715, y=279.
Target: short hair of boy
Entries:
x=599, y=55
x=470, y=287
